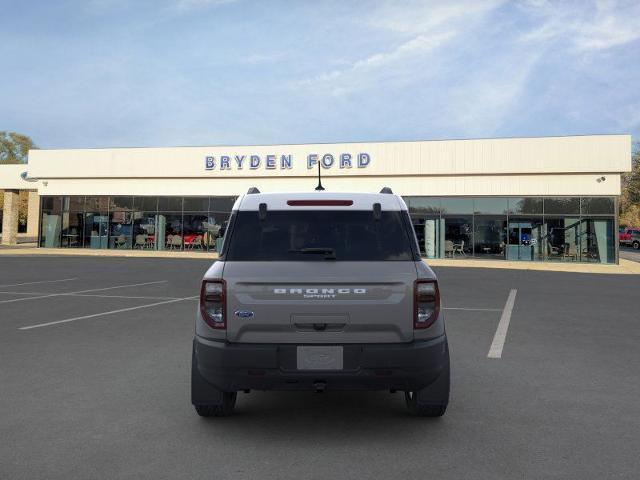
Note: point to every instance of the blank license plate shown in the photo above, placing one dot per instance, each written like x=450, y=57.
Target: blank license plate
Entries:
x=319, y=358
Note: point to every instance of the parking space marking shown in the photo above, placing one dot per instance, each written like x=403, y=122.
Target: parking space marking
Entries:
x=41, y=281
x=112, y=312
x=81, y=291
x=501, y=332
x=92, y=295
x=469, y=309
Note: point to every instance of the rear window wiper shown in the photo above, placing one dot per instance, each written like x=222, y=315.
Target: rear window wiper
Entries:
x=329, y=253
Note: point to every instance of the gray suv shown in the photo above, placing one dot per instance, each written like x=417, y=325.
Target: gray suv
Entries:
x=320, y=291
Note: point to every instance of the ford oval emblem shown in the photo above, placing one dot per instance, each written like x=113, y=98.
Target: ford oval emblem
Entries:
x=244, y=313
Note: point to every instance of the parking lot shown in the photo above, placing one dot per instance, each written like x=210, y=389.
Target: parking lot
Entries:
x=95, y=362
x=630, y=253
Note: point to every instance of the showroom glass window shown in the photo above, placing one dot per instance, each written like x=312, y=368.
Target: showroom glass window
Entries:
x=72, y=222
x=50, y=222
x=490, y=228
x=457, y=214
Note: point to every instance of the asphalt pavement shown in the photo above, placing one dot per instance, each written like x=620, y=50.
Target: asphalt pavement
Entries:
x=94, y=384
x=629, y=253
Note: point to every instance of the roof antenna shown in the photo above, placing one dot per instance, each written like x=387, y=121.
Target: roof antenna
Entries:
x=319, y=187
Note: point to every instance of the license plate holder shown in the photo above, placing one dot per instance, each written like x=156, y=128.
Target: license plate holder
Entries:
x=320, y=357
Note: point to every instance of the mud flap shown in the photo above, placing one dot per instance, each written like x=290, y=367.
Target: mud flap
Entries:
x=437, y=393
x=202, y=392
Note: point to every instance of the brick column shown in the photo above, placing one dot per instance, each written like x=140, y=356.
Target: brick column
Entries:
x=10, y=217
x=33, y=214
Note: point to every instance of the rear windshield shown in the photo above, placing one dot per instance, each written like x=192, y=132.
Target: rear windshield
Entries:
x=317, y=235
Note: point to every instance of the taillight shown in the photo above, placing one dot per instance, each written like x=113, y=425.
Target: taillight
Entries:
x=213, y=303
x=426, y=303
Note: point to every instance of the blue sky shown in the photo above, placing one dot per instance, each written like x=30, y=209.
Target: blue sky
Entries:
x=102, y=73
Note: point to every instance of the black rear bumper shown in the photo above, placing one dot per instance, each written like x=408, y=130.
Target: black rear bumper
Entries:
x=408, y=367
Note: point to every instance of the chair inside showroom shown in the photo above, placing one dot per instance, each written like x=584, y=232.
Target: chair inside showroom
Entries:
x=141, y=241
x=175, y=242
x=196, y=242
x=121, y=241
x=448, y=248
x=458, y=248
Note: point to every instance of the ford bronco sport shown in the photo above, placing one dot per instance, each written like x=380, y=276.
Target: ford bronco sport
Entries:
x=320, y=291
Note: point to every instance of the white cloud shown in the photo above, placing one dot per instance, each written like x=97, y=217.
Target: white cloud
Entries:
x=601, y=26
x=416, y=17
x=479, y=105
x=421, y=29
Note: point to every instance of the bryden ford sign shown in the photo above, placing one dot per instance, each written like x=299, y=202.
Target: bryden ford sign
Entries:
x=285, y=162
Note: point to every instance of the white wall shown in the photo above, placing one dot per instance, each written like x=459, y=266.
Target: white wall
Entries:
x=514, y=166
x=512, y=185
x=10, y=178
x=578, y=154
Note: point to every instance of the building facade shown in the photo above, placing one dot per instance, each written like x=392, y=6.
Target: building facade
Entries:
x=529, y=199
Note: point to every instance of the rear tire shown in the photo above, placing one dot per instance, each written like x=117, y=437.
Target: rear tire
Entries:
x=222, y=410
x=636, y=245
x=423, y=410
x=432, y=400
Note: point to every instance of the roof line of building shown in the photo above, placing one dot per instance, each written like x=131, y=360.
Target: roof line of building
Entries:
x=345, y=143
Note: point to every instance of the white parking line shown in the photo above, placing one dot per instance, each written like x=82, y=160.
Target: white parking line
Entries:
x=80, y=291
x=66, y=320
x=41, y=281
x=90, y=295
x=469, y=309
x=501, y=332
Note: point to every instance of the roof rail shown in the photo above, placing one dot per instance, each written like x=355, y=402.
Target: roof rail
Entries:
x=386, y=190
x=253, y=190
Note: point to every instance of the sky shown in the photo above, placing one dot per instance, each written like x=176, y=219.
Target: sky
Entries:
x=115, y=73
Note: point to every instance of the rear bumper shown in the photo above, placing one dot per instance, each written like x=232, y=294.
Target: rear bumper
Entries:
x=232, y=367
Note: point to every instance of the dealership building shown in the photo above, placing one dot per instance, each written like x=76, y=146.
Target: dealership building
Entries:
x=532, y=199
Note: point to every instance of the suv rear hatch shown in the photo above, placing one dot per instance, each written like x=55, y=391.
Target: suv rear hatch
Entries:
x=320, y=276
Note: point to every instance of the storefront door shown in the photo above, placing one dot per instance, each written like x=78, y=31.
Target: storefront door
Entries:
x=523, y=239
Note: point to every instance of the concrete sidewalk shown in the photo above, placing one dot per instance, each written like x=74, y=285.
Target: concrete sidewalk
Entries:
x=87, y=252
x=626, y=267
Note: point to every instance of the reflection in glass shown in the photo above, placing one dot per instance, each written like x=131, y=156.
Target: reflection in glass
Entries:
x=597, y=242
x=73, y=223
x=562, y=238
x=562, y=206
x=214, y=230
x=120, y=203
x=145, y=204
x=169, y=231
x=458, y=234
x=120, y=230
x=144, y=230
x=221, y=204
x=457, y=205
x=195, y=231
x=196, y=204
x=525, y=206
x=423, y=205
x=51, y=223
x=490, y=237
x=490, y=206
x=597, y=206
x=170, y=204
